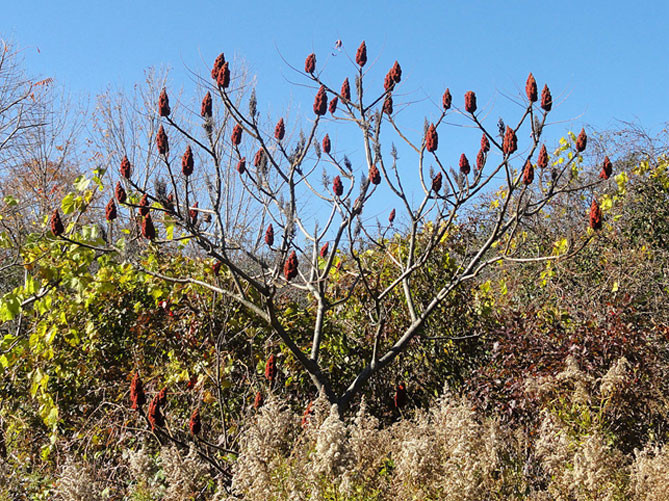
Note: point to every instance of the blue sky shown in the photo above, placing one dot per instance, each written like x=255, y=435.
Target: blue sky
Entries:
x=607, y=60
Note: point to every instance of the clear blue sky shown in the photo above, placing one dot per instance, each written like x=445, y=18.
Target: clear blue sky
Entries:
x=609, y=59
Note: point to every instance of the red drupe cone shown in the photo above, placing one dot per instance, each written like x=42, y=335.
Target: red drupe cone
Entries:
x=308, y=412
x=485, y=144
x=528, y=173
x=218, y=64
x=332, y=107
x=216, y=268
x=391, y=216
x=436, y=183
x=270, y=369
x=236, y=137
x=480, y=160
x=162, y=142
x=195, y=424
x=361, y=54
x=162, y=396
x=279, y=130
x=510, y=143
x=321, y=102
x=258, y=158
x=345, y=90
x=155, y=415
x=595, y=216
x=374, y=175
x=144, y=205
x=396, y=72
x=607, y=168
x=388, y=105
x=324, y=250
x=110, y=210
x=327, y=146
x=137, y=396
x=187, y=162
x=290, y=267
x=192, y=214
x=258, y=401
x=581, y=141
x=241, y=165
x=269, y=235
x=464, y=164
x=531, y=89
x=223, y=77
x=446, y=100
x=206, y=109
x=542, y=160
x=310, y=63
x=470, y=102
x=148, y=230
x=388, y=82
x=125, y=167
x=337, y=187
x=119, y=191
x=431, y=139
x=546, y=99
x=401, y=399
x=164, y=104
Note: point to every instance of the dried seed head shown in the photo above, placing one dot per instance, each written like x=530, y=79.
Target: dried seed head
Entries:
x=223, y=77
x=126, y=168
x=310, y=63
x=195, y=424
x=431, y=139
x=321, y=102
x=161, y=141
x=269, y=235
x=110, y=210
x=528, y=173
x=391, y=216
x=480, y=160
x=470, y=102
x=374, y=175
x=324, y=250
x=388, y=105
x=401, y=399
x=206, y=109
x=137, y=396
x=279, y=130
x=148, y=230
x=119, y=191
x=337, y=187
x=326, y=144
x=361, y=54
x=607, y=168
x=236, y=137
x=345, y=90
x=258, y=401
x=542, y=160
x=332, y=107
x=485, y=144
x=595, y=216
x=218, y=64
x=446, y=100
x=241, y=165
x=464, y=164
x=163, y=104
x=187, y=162
x=290, y=267
x=546, y=99
x=581, y=141
x=270, y=367
x=396, y=72
x=531, y=89
x=144, y=205
x=436, y=183
x=510, y=143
